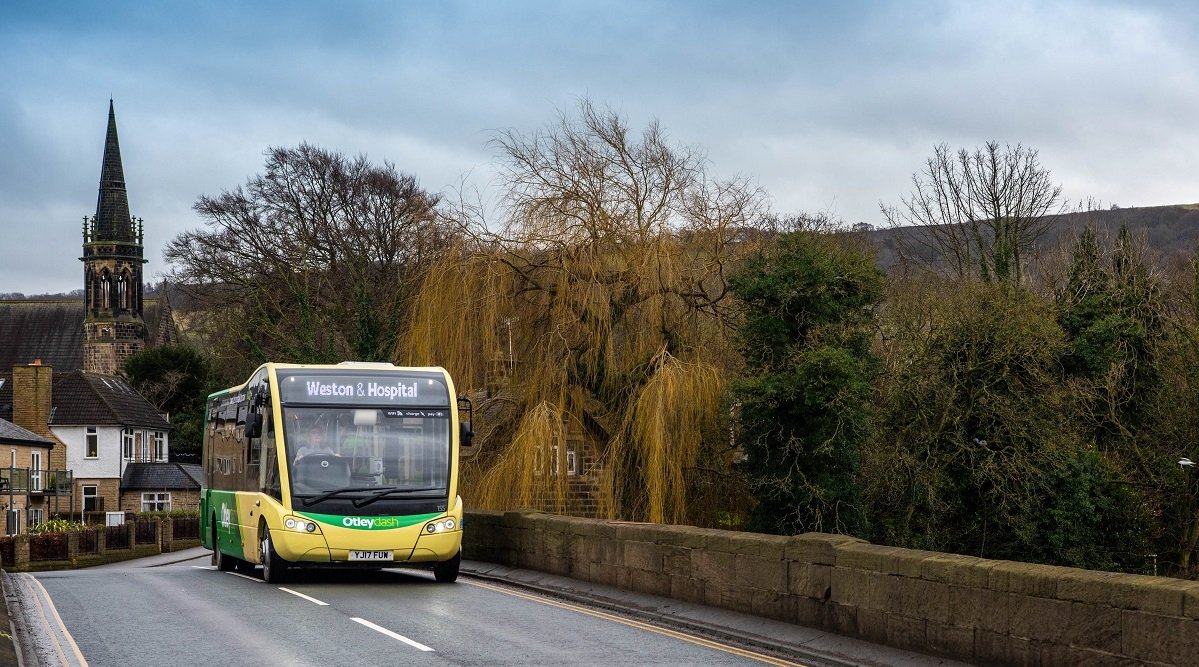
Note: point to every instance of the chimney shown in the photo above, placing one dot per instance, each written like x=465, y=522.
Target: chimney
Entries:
x=31, y=386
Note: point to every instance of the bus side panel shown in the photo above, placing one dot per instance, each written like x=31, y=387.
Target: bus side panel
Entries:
x=231, y=514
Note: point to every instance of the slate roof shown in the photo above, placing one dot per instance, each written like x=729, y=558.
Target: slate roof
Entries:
x=53, y=332
x=91, y=399
x=161, y=476
x=48, y=330
x=11, y=433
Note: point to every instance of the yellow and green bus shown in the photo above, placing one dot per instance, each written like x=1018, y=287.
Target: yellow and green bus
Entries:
x=346, y=465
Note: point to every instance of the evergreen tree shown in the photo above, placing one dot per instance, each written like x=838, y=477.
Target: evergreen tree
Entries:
x=177, y=380
x=804, y=404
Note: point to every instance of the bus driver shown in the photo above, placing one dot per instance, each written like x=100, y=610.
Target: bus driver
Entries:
x=313, y=439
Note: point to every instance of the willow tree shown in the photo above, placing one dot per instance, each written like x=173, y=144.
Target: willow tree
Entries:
x=598, y=307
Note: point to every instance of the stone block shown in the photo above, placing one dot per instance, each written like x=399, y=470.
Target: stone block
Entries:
x=1089, y=586
x=1156, y=595
x=872, y=626
x=991, y=648
x=812, y=613
x=957, y=570
x=809, y=580
x=682, y=536
x=650, y=583
x=738, y=599
x=978, y=608
x=1035, y=618
x=732, y=542
x=604, y=573
x=676, y=561
x=881, y=559
x=842, y=619
x=905, y=632
x=777, y=606
x=952, y=640
x=687, y=589
x=818, y=548
x=1156, y=638
x=1025, y=578
x=713, y=566
x=761, y=573
x=919, y=598
x=862, y=588
x=642, y=556
x=1092, y=626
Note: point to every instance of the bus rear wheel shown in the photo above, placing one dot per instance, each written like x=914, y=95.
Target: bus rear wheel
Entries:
x=447, y=571
x=274, y=568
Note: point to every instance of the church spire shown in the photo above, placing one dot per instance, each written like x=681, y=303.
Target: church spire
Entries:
x=113, y=326
x=112, y=221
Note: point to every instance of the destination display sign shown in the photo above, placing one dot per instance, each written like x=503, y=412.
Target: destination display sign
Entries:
x=373, y=389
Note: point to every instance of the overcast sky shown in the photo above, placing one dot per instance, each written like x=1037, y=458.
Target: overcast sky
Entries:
x=829, y=106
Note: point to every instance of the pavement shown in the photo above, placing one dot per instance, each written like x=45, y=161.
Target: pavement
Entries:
x=808, y=646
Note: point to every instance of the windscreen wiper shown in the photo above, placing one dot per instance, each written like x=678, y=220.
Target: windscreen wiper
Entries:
x=384, y=492
x=325, y=496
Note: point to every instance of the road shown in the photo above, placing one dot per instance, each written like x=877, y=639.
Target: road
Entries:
x=178, y=610
x=190, y=614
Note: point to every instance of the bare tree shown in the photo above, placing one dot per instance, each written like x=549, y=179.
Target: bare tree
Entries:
x=313, y=260
x=979, y=214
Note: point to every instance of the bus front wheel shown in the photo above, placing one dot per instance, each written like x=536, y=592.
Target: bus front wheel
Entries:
x=447, y=571
x=222, y=561
x=274, y=569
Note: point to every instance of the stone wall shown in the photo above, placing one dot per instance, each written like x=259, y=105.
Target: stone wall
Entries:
x=980, y=611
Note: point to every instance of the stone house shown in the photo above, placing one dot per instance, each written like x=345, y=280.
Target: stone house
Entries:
x=23, y=483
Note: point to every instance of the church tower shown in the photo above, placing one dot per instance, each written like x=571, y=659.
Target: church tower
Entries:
x=113, y=325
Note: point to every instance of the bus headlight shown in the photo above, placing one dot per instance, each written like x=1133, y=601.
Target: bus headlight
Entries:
x=299, y=524
x=440, y=526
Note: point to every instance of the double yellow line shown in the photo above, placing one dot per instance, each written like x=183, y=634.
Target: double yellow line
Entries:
x=699, y=641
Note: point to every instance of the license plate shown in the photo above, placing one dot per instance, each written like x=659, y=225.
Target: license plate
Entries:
x=371, y=555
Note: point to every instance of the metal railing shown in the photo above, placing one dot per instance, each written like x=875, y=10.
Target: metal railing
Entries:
x=25, y=481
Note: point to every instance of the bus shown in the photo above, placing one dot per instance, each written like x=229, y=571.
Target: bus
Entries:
x=346, y=465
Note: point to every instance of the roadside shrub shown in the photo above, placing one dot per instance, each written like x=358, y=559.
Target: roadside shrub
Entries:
x=56, y=526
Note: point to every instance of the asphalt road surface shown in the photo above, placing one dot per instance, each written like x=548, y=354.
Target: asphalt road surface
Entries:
x=181, y=611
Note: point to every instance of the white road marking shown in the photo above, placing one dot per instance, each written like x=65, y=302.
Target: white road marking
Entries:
x=254, y=579
x=393, y=635
x=301, y=595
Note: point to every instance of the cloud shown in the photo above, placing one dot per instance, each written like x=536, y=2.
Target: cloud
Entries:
x=829, y=105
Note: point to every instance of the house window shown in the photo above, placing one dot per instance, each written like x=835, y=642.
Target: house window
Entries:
x=160, y=446
x=36, y=518
x=127, y=444
x=90, y=500
x=35, y=471
x=143, y=446
x=156, y=502
x=92, y=444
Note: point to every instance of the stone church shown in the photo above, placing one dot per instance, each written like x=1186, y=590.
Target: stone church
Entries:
x=74, y=426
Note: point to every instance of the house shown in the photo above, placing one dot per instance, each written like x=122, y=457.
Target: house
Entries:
x=22, y=482
x=160, y=487
x=106, y=426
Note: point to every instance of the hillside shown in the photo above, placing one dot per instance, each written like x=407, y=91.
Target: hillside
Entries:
x=1171, y=232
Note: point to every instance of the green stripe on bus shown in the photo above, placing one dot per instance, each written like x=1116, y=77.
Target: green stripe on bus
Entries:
x=370, y=522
